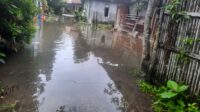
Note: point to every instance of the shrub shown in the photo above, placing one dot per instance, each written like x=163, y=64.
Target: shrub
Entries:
x=170, y=98
x=79, y=15
x=16, y=26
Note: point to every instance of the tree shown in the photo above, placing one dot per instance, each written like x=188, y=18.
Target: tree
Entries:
x=146, y=40
x=16, y=26
x=45, y=6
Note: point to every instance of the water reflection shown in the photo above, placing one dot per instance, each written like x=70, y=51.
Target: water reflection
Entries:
x=61, y=109
x=121, y=48
x=118, y=53
x=116, y=97
x=66, y=71
x=97, y=38
x=43, y=48
x=30, y=68
x=81, y=50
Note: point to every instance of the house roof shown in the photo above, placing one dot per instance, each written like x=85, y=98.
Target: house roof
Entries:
x=73, y=1
x=115, y=1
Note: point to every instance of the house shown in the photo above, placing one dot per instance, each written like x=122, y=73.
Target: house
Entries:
x=101, y=10
x=72, y=5
x=138, y=7
x=125, y=15
x=130, y=17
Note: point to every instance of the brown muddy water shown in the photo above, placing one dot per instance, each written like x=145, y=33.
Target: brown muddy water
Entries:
x=67, y=70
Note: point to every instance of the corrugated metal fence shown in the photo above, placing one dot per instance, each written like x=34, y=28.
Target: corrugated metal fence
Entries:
x=178, y=48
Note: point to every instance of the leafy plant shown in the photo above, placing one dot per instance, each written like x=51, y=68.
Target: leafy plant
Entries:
x=2, y=55
x=193, y=107
x=79, y=16
x=187, y=45
x=136, y=72
x=173, y=98
x=173, y=9
x=147, y=88
x=170, y=98
x=173, y=90
x=16, y=26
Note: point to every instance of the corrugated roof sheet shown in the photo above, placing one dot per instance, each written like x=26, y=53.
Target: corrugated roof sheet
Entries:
x=118, y=1
x=74, y=1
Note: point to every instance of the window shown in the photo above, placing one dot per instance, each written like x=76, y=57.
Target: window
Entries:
x=106, y=11
x=103, y=39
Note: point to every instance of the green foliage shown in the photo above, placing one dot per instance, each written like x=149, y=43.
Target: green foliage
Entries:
x=2, y=56
x=16, y=26
x=173, y=90
x=168, y=94
x=170, y=98
x=147, y=88
x=79, y=16
x=187, y=44
x=136, y=72
x=173, y=86
x=56, y=5
x=104, y=26
x=173, y=9
x=177, y=14
x=189, y=41
x=8, y=106
x=3, y=92
x=193, y=107
x=1, y=89
x=45, y=6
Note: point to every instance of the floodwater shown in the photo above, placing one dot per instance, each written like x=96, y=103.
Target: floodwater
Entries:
x=67, y=70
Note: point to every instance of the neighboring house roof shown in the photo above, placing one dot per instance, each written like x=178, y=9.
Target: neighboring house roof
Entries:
x=115, y=1
x=73, y=1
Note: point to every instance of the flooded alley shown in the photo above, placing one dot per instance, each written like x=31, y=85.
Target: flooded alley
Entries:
x=72, y=69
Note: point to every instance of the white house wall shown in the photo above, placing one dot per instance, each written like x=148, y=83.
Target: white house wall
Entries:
x=94, y=7
x=87, y=8
x=95, y=38
x=132, y=10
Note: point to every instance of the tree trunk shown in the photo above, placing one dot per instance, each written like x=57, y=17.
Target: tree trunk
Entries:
x=146, y=40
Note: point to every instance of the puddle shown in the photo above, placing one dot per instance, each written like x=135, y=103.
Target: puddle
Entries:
x=69, y=71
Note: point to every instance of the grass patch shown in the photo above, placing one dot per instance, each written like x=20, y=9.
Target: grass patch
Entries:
x=104, y=26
